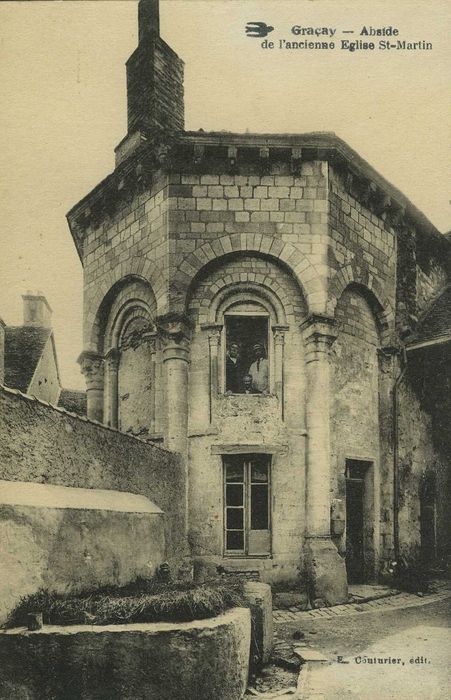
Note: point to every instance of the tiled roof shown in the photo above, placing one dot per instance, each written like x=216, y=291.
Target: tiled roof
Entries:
x=24, y=346
x=73, y=400
x=436, y=323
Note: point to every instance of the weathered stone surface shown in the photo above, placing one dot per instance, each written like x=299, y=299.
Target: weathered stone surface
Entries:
x=41, y=445
x=64, y=539
x=327, y=573
x=202, y=659
x=258, y=596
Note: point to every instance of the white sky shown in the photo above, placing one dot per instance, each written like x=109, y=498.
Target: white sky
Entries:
x=63, y=110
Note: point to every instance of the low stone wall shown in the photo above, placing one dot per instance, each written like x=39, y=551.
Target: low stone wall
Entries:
x=39, y=443
x=205, y=660
x=62, y=539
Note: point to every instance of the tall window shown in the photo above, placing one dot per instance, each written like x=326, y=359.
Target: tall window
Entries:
x=247, y=504
x=247, y=365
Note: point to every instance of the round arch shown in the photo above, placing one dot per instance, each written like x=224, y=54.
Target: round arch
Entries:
x=311, y=281
x=359, y=279
x=126, y=295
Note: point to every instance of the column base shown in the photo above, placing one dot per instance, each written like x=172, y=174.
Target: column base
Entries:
x=326, y=572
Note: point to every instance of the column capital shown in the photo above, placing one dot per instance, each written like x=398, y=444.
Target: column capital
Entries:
x=385, y=356
x=92, y=366
x=151, y=339
x=214, y=331
x=112, y=359
x=174, y=328
x=279, y=334
x=319, y=332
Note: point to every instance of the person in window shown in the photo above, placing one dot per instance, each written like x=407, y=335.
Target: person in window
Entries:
x=247, y=384
x=234, y=369
x=259, y=369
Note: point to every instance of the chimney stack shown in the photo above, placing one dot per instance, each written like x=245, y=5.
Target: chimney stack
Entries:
x=155, y=97
x=36, y=310
x=148, y=19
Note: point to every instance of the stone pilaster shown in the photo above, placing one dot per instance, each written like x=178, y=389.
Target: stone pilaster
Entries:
x=92, y=366
x=214, y=343
x=279, y=345
x=152, y=340
x=112, y=360
x=175, y=335
x=325, y=568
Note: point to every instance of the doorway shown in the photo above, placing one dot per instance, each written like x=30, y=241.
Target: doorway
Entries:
x=428, y=522
x=356, y=519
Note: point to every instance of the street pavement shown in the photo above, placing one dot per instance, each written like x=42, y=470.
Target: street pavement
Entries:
x=386, y=653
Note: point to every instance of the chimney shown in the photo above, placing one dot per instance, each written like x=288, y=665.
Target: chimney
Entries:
x=148, y=18
x=2, y=351
x=155, y=98
x=36, y=310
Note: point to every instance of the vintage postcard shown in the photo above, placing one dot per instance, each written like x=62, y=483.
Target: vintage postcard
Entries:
x=225, y=349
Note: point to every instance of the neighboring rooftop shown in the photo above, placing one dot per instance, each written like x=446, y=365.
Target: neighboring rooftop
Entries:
x=435, y=326
x=73, y=400
x=24, y=346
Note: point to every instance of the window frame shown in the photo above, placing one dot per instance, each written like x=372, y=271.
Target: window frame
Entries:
x=246, y=461
x=264, y=313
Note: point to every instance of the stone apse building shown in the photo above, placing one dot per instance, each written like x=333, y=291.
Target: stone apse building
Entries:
x=292, y=249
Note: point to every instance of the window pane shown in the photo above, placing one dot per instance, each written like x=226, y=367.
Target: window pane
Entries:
x=235, y=519
x=259, y=473
x=259, y=507
x=234, y=495
x=235, y=472
x=235, y=541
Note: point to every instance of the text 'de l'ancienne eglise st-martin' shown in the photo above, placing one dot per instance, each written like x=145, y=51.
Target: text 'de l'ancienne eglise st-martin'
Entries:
x=367, y=38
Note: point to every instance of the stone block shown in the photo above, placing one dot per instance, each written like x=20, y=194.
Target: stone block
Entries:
x=203, y=659
x=259, y=598
x=62, y=538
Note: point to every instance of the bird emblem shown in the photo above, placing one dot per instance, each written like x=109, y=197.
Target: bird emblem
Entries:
x=258, y=29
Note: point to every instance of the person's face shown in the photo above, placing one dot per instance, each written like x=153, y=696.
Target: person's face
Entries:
x=258, y=352
x=234, y=350
x=247, y=382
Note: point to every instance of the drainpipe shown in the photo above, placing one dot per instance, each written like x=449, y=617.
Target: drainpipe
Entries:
x=396, y=386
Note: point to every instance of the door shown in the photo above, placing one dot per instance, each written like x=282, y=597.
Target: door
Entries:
x=354, y=530
x=428, y=522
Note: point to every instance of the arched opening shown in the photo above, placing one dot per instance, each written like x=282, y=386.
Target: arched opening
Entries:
x=356, y=429
x=128, y=341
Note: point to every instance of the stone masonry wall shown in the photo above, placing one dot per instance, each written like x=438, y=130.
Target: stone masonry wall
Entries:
x=280, y=215
x=355, y=413
x=41, y=444
x=424, y=449
x=243, y=420
x=362, y=248
x=133, y=241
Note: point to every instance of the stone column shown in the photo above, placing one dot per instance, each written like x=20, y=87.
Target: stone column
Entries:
x=92, y=367
x=214, y=344
x=175, y=334
x=325, y=568
x=112, y=360
x=279, y=344
x=152, y=339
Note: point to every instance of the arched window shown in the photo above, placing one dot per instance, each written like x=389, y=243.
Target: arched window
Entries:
x=246, y=341
x=129, y=345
